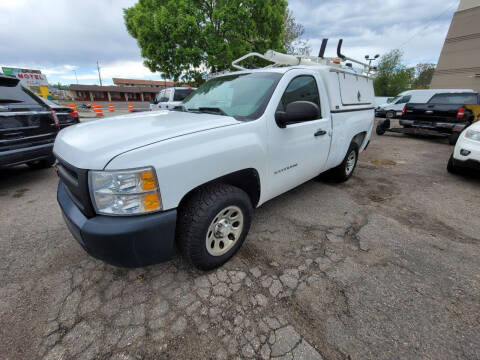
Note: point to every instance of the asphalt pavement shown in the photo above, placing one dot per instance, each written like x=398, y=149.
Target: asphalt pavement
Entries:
x=384, y=266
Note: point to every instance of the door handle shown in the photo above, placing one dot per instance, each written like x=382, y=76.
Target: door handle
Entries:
x=320, y=132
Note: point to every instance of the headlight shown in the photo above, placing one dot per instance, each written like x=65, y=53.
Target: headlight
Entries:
x=473, y=135
x=125, y=192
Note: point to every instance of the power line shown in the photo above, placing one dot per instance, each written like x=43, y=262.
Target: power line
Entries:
x=449, y=8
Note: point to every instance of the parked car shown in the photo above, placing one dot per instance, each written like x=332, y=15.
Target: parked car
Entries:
x=393, y=109
x=444, y=115
x=28, y=127
x=170, y=97
x=380, y=100
x=65, y=115
x=466, y=154
x=131, y=186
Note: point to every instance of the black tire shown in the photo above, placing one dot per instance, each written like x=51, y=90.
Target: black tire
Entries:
x=41, y=164
x=199, y=212
x=340, y=173
x=453, y=138
x=380, y=130
x=451, y=168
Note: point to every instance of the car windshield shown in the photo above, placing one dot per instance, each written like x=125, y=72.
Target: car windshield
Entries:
x=181, y=94
x=243, y=96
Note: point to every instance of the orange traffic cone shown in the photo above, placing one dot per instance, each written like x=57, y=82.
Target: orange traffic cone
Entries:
x=97, y=109
x=130, y=107
x=111, y=107
x=72, y=106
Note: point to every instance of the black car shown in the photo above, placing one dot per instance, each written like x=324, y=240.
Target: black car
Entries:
x=65, y=115
x=28, y=126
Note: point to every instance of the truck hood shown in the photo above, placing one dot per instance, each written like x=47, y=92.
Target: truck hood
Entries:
x=92, y=145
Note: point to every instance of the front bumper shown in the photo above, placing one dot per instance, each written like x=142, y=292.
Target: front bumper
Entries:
x=472, y=160
x=129, y=241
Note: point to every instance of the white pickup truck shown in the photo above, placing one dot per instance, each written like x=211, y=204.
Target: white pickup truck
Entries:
x=170, y=97
x=132, y=186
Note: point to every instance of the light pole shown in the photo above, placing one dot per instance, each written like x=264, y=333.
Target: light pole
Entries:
x=370, y=59
x=75, y=72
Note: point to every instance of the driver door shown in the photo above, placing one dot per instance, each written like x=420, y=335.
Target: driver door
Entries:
x=299, y=151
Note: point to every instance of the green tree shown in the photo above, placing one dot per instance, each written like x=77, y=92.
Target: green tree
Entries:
x=392, y=76
x=424, y=76
x=293, y=40
x=186, y=38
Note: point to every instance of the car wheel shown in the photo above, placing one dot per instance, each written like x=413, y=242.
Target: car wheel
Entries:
x=344, y=171
x=390, y=114
x=451, y=168
x=453, y=138
x=213, y=224
x=41, y=164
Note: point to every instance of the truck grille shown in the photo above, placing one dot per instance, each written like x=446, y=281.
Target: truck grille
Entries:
x=76, y=184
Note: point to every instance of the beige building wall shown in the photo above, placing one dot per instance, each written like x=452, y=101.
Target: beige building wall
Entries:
x=459, y=63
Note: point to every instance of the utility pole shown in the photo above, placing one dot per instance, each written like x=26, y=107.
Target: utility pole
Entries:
x=99, y=77
x=75, y=71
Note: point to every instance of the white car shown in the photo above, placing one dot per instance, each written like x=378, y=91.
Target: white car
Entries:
x=170, y=97
x=133, y=185
x=466, y=154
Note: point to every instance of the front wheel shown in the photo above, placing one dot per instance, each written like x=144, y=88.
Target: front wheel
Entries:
x=213, y=225
x=453, y=138
x=451, y=168
x=344, y=171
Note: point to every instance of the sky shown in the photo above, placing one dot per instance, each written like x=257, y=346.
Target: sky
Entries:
x=61, y=37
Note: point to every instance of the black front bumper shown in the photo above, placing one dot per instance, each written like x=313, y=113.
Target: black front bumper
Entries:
x=129, y=241
x=467, y=164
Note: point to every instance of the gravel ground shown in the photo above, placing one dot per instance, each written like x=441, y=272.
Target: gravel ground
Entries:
x=384, y=266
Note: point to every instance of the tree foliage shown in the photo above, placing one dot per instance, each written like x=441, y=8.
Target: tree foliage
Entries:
x=424, y=76
x=293, y=40
x=392, y=76
x=190, y=37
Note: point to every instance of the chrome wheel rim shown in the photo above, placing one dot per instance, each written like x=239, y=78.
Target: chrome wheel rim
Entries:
x=224, y=231
x=351, y=159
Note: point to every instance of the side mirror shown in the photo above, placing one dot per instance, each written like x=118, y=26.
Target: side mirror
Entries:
x=297, y=111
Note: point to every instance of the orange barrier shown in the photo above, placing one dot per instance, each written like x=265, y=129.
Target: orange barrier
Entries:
x=111, y=107
x=97, y=109
x=73, y=107
x=130, y=107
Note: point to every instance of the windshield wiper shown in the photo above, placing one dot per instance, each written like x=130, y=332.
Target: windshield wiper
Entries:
x=214, y=110
x=10, y=101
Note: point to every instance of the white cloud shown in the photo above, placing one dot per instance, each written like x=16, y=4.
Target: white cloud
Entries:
x=59, y=36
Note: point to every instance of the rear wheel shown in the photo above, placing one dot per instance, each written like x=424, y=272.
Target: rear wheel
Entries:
x=344, y=171
x=41, y=164
x=213, y=224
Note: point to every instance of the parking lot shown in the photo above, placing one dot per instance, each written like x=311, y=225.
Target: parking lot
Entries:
x=383, y=266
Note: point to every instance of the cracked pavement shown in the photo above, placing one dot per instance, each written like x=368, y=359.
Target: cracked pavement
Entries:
x=384, y=266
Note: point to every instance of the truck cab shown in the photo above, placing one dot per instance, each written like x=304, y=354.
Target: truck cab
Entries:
x=170, y=97
x=132, y=186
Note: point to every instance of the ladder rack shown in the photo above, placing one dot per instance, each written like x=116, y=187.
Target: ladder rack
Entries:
x=280, y=59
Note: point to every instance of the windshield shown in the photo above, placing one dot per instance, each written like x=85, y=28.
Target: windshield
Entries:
x=181, y=94
x=243, y=96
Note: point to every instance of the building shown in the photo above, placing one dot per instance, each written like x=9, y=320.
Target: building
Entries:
x=459, y=63
x=162, y=84
x=123, y=90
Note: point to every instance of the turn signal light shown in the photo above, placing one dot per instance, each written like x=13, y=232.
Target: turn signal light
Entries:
x=148, y=180
x=461, y=113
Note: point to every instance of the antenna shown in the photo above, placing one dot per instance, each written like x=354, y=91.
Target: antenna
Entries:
x=322, y=48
